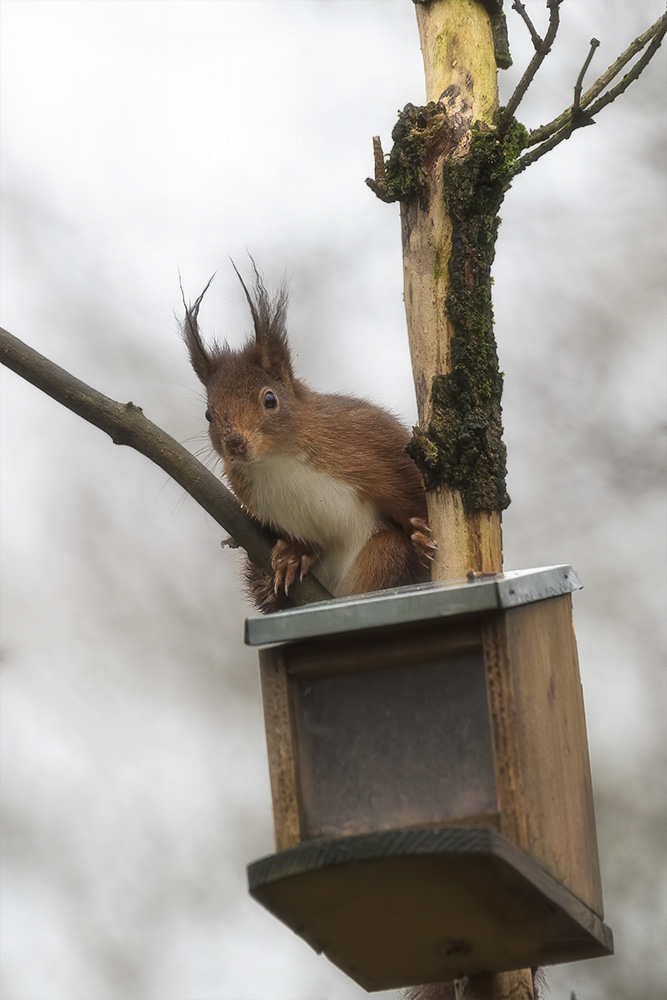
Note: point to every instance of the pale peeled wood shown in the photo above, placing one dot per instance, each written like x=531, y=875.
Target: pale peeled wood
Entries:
x=460, y=70
x=456, y=39
x=468, y=543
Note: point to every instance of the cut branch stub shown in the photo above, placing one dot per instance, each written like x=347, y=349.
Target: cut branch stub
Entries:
x=420, y=135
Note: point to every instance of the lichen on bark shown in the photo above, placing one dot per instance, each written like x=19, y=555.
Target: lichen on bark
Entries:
x=462, y=446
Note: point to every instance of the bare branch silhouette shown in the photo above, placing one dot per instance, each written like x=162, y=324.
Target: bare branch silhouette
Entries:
x=535, y=37
x=583, y=109
x=541, y=52
x=546, y=131
x=576, y=106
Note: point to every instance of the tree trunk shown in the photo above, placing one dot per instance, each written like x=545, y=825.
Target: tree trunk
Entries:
x=461, y=78
x=460, y=68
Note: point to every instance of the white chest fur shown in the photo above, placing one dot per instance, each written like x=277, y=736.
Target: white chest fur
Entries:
x=295, y=499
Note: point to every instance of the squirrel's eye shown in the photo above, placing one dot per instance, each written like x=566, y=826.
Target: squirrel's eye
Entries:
x=208, y=416
x=270, y=400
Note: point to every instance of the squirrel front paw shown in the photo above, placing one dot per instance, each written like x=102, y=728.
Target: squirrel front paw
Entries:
x=422, y=541
x=289, y=559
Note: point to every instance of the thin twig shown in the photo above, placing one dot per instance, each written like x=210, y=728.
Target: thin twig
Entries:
x=546, y=131
x=657, y=33
x=580, y=79
x=126, y=424
x=636, y=70
x=534, y=64
x=520, y=9
x=528, y=158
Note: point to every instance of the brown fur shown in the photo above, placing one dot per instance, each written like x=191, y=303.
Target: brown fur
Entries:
x=447, y=991
x=387, y=560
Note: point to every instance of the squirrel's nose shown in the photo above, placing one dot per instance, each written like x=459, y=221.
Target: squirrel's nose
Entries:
x=236, y=444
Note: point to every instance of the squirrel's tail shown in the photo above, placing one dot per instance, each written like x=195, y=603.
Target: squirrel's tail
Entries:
x=430, y=991
x=447, y=991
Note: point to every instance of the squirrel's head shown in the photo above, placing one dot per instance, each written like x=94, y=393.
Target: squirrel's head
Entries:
x=252, y=394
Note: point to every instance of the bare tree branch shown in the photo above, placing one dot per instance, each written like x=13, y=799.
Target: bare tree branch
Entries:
x=521, y=9
x=656, y=32
x=126, y=424
x=635, y=72
x=575, y=117
x=542, y=50
x=576, y=106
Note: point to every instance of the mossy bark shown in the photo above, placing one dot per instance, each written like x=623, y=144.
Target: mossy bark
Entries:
x=462, y=444
x=449, y=170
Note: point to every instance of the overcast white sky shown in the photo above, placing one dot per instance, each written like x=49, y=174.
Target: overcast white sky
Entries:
x=146, y=136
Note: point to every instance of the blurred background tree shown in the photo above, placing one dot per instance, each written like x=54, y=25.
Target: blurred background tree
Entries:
x=146, y=136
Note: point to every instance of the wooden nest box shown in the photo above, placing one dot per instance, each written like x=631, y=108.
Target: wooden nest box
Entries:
x=430, y=778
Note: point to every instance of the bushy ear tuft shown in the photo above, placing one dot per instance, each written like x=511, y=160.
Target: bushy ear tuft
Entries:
x=269, y=318
x=203, y=361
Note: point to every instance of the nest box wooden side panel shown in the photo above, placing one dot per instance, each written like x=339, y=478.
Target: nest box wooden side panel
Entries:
x=541, y=750
x=280, y=747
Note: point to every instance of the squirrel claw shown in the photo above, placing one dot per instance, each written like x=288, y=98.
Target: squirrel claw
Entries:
x=229, y=543
x=420, y=524
x=289, y=559
x=425, y=545
x=421, y=540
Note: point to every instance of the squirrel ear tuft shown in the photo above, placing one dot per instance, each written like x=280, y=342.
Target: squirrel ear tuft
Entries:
x=269, y=318
x=202, y=360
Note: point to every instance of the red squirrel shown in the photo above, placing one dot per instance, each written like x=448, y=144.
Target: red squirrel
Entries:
x=327, y=473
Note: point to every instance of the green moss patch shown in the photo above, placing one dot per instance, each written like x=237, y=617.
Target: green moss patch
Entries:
x=412, y=134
